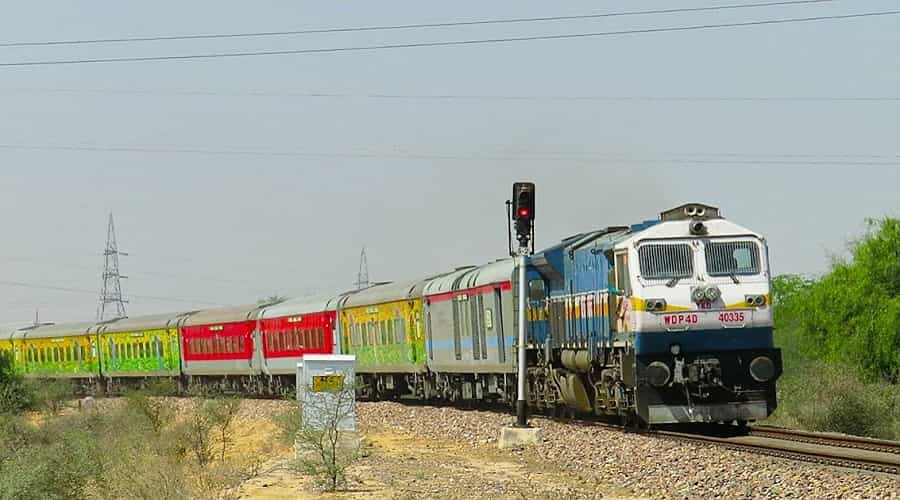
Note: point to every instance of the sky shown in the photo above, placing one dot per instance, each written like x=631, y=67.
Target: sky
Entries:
x=232, y=179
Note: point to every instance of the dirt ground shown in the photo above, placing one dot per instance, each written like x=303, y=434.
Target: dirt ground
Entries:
x=402, y=466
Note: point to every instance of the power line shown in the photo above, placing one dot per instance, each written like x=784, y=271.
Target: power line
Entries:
x=191, y=277
x=23, y=284
x=158, y=38
x=682, y=159
x=483, y=41
x=451, y=97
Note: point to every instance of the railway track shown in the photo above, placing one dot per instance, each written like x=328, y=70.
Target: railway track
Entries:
x=875, y=455
x=830, y=449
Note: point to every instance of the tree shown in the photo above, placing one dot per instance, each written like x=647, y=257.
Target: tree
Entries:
x=327, y=444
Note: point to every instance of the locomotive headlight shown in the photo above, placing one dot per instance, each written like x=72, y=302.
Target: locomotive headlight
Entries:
x=655, y=304
x=658, y=373
x=762, y=369
x=755, y=300
x=712, y=293
x=698, y=294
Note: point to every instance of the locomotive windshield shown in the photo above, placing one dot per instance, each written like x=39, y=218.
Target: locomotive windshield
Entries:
x=732, y=257
x=666, y=261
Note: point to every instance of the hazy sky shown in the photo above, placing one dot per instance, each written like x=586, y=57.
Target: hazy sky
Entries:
x=230, y=182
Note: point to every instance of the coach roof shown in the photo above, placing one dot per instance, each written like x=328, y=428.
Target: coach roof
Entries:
x=58, y=330
x=141, y=323
x=389, y=292
x=302, y=305
x=224, y=315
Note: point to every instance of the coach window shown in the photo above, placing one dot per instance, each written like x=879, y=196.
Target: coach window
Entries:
x=392, y=334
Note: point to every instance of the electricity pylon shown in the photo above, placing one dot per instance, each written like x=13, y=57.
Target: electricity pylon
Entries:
x=111, y=290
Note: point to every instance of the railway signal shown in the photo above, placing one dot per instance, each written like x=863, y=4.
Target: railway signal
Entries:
x=521, y=209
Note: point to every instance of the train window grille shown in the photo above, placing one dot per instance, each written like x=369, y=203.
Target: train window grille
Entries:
x=727, y=258
x=400, y=330
x=666, y=261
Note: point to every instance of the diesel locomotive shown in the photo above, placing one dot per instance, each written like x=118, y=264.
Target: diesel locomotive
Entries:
x=664, y=321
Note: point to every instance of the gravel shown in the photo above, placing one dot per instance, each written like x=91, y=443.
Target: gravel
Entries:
x=642, y=464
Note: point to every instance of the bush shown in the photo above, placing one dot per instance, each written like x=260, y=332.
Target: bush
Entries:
x=50, y=395
x=820, y=397
x=851, y=314
x=139, y=449
x=14, y=394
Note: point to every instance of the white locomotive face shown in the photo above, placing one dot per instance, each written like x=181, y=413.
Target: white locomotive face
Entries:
x=682, y=276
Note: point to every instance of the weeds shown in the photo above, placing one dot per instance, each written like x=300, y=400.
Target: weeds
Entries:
x=141, y=448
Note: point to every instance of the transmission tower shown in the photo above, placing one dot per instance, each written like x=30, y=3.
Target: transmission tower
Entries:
x=111, y=290
x=362, y=277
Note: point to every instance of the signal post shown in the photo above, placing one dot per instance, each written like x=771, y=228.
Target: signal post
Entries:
x=522, y=213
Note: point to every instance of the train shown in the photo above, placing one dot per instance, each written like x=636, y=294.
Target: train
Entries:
x=665, y=321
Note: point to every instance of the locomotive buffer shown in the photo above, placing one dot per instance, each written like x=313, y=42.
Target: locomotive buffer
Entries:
x=522, y=208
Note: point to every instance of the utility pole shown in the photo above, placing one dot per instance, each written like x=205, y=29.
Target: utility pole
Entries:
x=111, y=289
x=362, y=277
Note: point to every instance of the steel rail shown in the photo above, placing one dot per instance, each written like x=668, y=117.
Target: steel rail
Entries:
x=855, y=458
x=826, y=439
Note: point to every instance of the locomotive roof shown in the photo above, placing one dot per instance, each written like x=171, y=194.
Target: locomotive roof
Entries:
x=57, y=330
x=140, y=323
x=681, y=229
x=224, y=314
x=388, y=292
x=300, y=305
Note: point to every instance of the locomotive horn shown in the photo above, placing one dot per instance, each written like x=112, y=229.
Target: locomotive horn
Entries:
x=690, y=211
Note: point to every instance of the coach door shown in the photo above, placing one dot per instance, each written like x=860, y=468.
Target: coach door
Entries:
x=494, y=318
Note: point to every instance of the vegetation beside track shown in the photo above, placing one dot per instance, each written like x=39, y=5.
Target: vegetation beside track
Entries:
x=840, y=339
x=140, y=446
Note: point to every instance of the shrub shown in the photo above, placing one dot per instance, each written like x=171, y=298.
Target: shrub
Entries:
x=822, y=397
x=50, y=394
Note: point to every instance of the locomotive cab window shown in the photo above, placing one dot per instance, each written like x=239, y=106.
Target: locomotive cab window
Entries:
x=732, y=257
x=666, y=261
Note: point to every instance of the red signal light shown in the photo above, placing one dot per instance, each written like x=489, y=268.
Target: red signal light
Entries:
x=523, y=212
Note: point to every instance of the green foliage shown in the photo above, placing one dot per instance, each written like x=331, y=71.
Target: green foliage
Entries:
x=15, y=396
x=817, y=396
x=121, y=450
x=852, y=314
x=156, y=410
x=840, y=340
x=50, y=395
